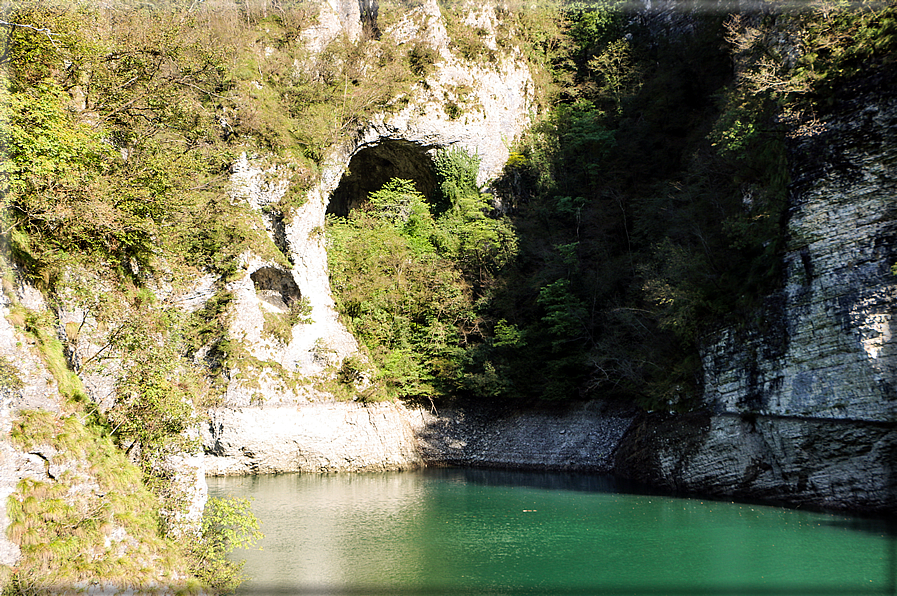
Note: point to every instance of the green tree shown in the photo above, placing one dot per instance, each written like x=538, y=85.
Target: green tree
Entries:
x=227, y=524
x=402, y=299
x=468, y=231
x=400, y=204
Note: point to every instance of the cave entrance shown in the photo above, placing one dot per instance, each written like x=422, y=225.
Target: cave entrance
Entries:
x=276, y=287
x=374, y=166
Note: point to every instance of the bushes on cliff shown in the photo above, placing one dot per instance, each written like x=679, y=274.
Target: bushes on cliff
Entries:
x=635, y=237
x=118, y=129
x=66, y=532
x=650, y=203
x=407, y=273
x=109, y=147
x=398, y=295
x=110, y=534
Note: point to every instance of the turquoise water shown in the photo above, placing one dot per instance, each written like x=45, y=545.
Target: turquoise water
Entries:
x=489, y=532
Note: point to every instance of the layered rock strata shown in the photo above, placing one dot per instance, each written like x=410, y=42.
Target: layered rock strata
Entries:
x=801, y=462
x=804, y=405
x=580, y=438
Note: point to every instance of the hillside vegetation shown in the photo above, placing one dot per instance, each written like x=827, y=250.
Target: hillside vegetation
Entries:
x=645, y=209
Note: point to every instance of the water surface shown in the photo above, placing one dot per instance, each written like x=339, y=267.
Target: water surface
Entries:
x=489, y=532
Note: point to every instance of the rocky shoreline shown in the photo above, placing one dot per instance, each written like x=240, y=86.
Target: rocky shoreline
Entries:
x=826, y=464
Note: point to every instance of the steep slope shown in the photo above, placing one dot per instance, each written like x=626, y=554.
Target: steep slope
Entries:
x=496, y=100
x=76, y=510
x=802, y=406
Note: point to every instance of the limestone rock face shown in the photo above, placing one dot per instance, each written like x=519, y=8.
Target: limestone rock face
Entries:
x=335, y=18
x=270, y=289
x=321, y=437
x=267, y=425
x=828, y=350
x=805, y=405
x=495, y=101
x=833, y=464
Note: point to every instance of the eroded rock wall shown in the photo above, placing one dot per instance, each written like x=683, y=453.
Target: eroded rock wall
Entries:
x=496, y=100
x=29, y=385
x=826, y=348
x=804, y=404
x=273, y=419
x=579, y=438
x=832, y=464
x=312, y=438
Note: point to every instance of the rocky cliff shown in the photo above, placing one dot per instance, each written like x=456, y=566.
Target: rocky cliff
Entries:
x=311, y=438
x=494, y=102
x=270, y=409
x=31, y=386
x=578, y=438
x=800, y=405
x=803, y=404
x=57, y=472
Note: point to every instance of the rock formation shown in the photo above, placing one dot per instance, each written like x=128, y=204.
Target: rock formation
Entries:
x=49, y=454
x=578, y=438
x=497, y=101
x=801, y=407
x=324, y=437
x=804, y=406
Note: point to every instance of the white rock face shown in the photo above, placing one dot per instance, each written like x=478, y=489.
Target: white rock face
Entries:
x=188, y=481
x=335, y=18
x=805, y=403
x=581, y=437
x=39, y=388
x=325, y=341
x=495, y=102
x=312, y=346
x=39, y=391
x=499, y=100
x=322, y=437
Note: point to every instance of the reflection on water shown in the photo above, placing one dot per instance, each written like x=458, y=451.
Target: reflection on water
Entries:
x=492, y=532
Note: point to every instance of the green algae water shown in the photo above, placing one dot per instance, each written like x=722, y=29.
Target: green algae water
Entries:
x=451, y=531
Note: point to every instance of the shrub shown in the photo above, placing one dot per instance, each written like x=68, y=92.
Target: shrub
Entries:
x=227, y=524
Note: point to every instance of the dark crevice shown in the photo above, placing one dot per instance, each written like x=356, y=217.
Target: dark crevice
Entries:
x=276, y=287
x=372, y=167
x=278, y=230
x=369, y=10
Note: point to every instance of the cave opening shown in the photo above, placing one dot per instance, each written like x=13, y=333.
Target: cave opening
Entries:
x=276, y=287
x=374, y=166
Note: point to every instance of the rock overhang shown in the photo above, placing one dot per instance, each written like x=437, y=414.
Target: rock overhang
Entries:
x=373, y=165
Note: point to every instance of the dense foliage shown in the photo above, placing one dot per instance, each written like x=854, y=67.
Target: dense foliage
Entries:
x=649, y=201
x=644, y=211
x=113, y=170
x=408, y=274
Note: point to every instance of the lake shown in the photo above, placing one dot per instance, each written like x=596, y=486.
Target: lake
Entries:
x=456, y=531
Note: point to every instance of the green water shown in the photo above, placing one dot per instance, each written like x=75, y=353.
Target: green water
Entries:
x=488, y=532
